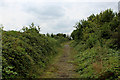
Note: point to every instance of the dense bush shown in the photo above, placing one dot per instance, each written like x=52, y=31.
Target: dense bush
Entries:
x=97, y=41
x=26, y=53
x=60, y=37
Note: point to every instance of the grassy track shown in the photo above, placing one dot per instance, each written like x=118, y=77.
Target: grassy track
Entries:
x=62, y=65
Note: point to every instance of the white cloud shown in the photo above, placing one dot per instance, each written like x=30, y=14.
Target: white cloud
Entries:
x=13, y=17
x=53, y=16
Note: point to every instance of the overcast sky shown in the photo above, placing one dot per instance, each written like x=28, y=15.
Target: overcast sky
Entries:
x=53, y=16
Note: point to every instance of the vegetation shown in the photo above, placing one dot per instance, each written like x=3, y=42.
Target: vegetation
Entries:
x=97, y=40
x=27, y=53
x=60, y=37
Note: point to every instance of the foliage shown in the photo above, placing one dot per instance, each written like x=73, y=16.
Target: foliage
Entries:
x=60, y=37
x=98, y=42
x=27, y=53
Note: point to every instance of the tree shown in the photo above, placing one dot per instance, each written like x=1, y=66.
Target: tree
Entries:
x=90, y=18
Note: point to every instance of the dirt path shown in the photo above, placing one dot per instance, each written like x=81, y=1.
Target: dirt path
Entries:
x=62, y=66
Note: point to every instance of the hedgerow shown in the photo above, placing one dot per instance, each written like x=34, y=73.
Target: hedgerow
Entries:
x=25, y=54
x=97, y=41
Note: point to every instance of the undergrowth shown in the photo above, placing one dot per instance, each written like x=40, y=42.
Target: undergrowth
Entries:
x=26, y=54
x=97, y=41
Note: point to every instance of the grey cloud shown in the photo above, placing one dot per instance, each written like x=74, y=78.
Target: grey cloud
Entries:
x=2, y=3
x=46, y=11
x=54, y=17
x=53, y=11
x=65, y=26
